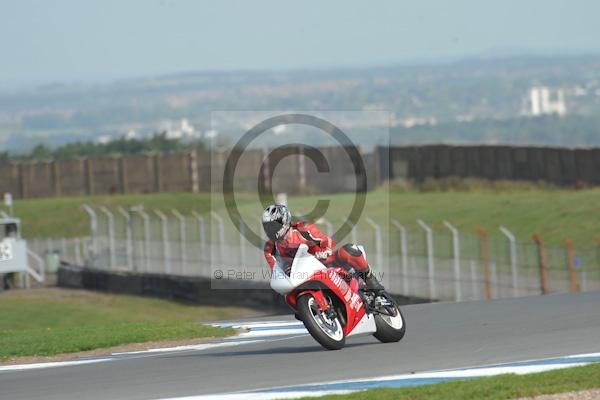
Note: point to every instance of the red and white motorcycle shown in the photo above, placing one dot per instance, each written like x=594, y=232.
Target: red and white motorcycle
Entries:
x=332, y=303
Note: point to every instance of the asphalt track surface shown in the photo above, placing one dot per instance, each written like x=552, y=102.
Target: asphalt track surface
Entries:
x=439, y=336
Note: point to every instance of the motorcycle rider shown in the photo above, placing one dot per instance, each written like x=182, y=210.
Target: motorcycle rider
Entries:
x=286, y=236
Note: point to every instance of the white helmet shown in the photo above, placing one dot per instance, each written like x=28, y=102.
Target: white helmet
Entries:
x=276, y=221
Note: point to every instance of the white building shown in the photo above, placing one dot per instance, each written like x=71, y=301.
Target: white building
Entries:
x=178, y=129
x=543, y=100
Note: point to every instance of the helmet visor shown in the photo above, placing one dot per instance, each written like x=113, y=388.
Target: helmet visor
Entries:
x=273, y=230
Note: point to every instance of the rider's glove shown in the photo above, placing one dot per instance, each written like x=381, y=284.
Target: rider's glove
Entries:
x=321, y=255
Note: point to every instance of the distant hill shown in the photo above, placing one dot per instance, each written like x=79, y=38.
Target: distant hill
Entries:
x=569, y=131
x=440, y=95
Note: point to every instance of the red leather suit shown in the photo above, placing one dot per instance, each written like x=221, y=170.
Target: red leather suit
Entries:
x=319, y=245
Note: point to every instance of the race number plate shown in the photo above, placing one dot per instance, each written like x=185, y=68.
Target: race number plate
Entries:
x=5, y=251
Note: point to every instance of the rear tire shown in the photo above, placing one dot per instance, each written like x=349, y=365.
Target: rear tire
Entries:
x=390, y=329
x=329, y=333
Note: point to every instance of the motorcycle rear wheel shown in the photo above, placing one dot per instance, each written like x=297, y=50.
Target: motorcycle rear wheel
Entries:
x=328, y=332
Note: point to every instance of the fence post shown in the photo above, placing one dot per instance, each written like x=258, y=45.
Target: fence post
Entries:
x=85, y=247
x=78, y=251
x=485, y=254
x=182, y=239
x=513, y=257
x=266, y=170
x=430, y=260
x=128, y=237
x=301, y=169
x=571, y=264
x=474, y=290
x=146, y=219
x=201, y=233
x=403, y=255
x=165, y=238
x=456, y=256
x=542, y=261
x=219, y=220
x=194, y=171
x=93, y=232
x=242, y=242
x=111, y=236
x=378, y=243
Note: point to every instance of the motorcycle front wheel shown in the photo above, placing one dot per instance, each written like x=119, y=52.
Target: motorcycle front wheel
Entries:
x=390, y=328
x=328, y=331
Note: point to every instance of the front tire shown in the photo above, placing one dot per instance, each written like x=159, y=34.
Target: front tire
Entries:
x=390, y=328
x=328, y=332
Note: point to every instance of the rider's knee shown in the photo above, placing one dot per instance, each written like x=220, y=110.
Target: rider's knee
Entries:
x=349, y=255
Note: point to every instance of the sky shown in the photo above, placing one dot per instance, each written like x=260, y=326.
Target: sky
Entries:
x=86, y=41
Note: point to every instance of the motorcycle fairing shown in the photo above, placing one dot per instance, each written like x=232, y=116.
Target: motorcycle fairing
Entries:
x=366, y=325
x=306, y=268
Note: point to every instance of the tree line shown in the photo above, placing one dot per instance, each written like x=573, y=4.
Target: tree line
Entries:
x=157, y=143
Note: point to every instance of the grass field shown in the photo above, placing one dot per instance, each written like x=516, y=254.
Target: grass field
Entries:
x=556, y=214
x=494, y=388
x=55, y=321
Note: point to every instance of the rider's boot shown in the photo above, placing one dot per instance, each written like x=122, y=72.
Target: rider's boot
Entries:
x=371, y=291
x=372, y=283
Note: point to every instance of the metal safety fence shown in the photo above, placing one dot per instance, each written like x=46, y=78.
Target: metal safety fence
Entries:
x=433, y=263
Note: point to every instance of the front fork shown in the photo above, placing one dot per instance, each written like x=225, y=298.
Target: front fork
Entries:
x=319, y=298
x=326, y=307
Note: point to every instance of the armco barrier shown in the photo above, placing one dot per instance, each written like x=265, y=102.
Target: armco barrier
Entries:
x=181, y=288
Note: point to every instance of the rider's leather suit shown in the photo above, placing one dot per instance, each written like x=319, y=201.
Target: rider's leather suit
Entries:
x=319, y=245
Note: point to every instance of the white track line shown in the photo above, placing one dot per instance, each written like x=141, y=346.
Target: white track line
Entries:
x=257, y=332
x=403, y=380
x=199, y=347
x=265, y=396
x=25, y=367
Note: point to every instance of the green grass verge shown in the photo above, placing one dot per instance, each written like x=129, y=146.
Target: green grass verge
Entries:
x=555, y=214
x=53, y=321
x=500, y=387
x=64, y=216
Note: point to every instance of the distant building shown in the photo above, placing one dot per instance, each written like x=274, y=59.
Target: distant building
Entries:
x=543, y=100
x=411, y=121
x=130, y=135
x=178, y=129
x=104, y=139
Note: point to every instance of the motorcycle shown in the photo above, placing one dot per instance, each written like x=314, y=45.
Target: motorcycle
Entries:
x=333, y=304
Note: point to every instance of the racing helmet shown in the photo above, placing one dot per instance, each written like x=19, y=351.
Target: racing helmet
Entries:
x=276, y=221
